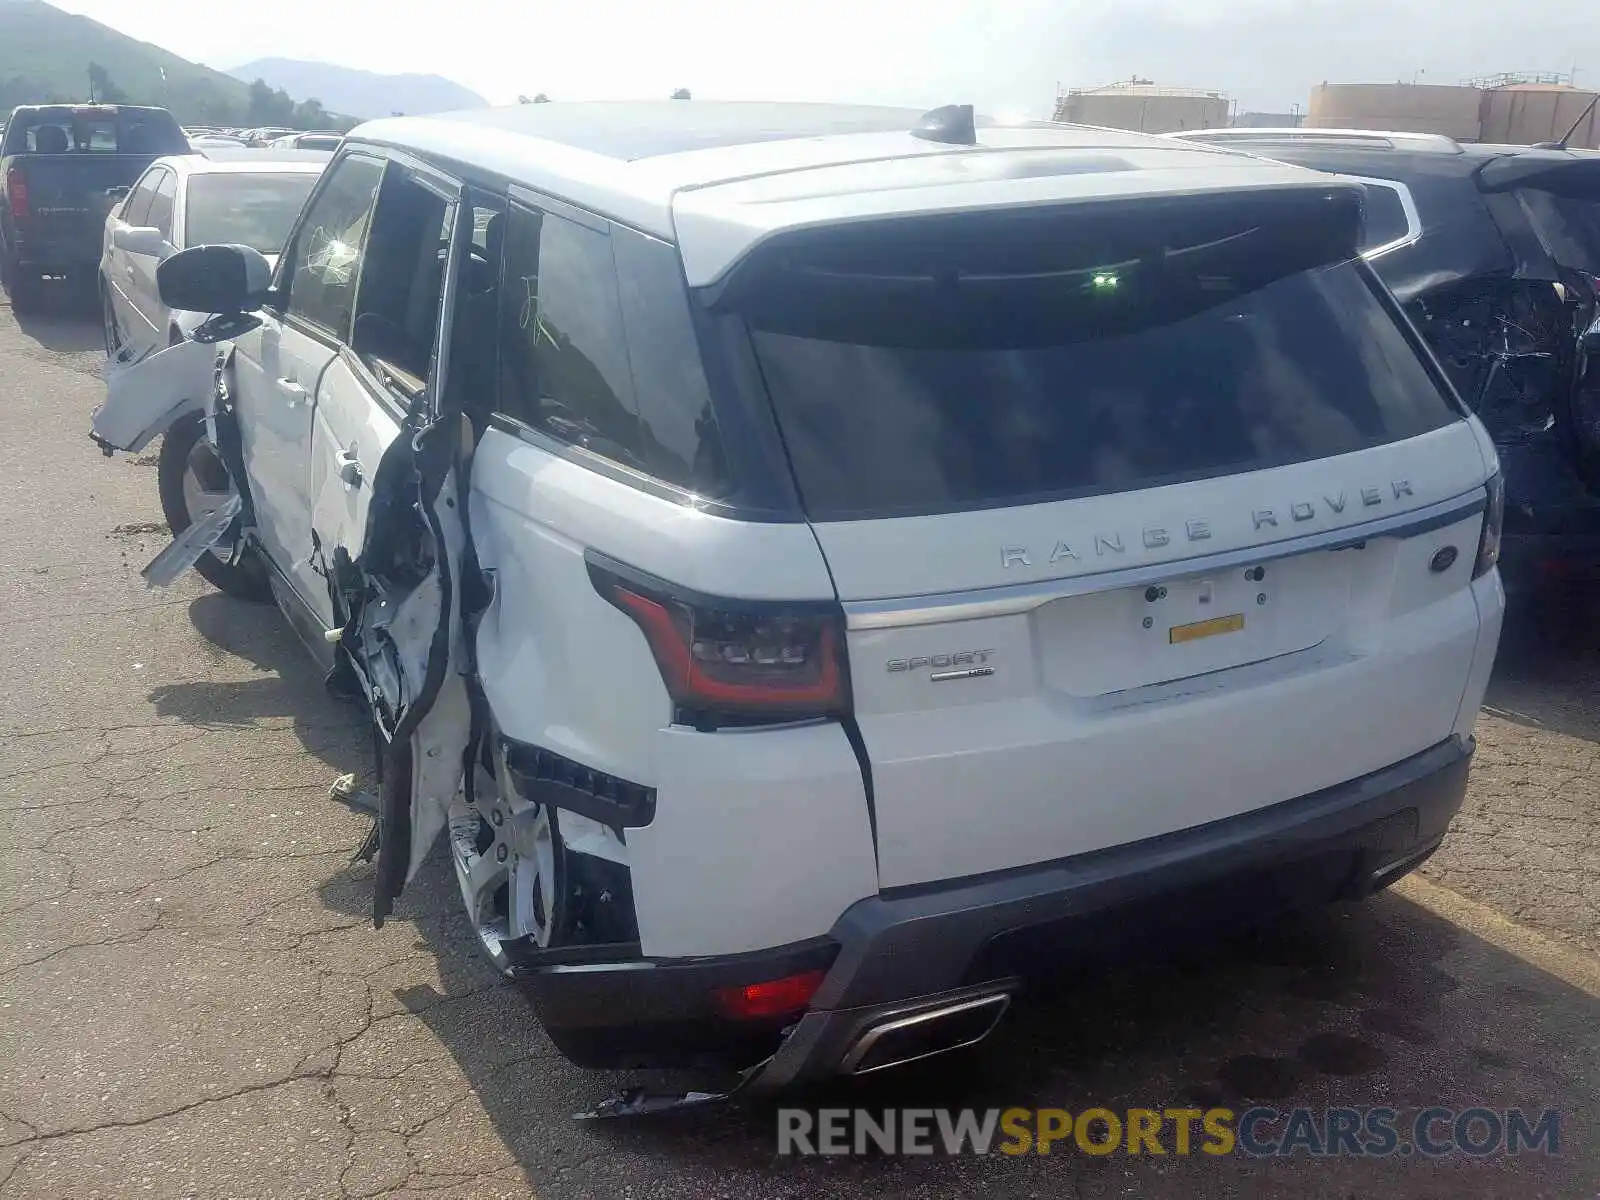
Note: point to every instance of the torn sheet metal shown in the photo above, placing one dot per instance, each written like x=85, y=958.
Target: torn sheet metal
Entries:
x=194, y=541
x=637, y=1102
x=146, y=395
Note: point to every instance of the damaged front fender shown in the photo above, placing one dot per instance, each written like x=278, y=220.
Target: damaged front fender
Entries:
x=145, y=395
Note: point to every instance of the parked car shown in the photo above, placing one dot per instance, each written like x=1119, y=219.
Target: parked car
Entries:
x=201, y=143
x=264, y=136
x=60, y=163
x=808, y=561
x=1495, y=253
x=250, y=200
x=315, y=140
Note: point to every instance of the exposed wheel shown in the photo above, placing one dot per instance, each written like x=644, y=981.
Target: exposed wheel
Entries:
x=511, y=865
x=193, y=481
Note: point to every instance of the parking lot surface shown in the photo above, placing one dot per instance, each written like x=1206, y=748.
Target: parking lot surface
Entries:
x=193, y=1001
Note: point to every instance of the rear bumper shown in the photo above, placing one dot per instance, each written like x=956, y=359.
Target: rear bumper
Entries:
x=909, y=950
x=56, y=256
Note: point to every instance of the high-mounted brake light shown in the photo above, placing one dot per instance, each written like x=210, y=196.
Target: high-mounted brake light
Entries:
x=783, y=661
x=17, y=192
x=1494, y=515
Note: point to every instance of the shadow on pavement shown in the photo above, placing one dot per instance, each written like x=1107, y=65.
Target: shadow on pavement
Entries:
x=67, y=320
x=1547, y=675
x=1381, y=1004
x=289, y=684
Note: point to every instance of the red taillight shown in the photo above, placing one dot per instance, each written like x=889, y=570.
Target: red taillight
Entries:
x=17, y=192
x=774, y=998
x=1494, y=515
x=778, y=660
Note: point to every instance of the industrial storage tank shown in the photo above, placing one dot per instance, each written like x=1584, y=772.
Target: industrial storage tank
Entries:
x=1140, y=105
x=1521, y=114
x=1402, y=107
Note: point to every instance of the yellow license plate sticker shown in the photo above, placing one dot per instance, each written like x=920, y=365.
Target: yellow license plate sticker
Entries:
x=1196, y=630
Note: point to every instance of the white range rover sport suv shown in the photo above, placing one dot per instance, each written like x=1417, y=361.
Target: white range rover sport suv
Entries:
x=805, y=562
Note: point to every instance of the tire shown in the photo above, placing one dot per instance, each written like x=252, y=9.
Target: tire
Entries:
x=245, y=579
x=108, y=319
x=22, y=286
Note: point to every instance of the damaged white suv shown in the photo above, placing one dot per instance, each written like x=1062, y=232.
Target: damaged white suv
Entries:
x=809, y=562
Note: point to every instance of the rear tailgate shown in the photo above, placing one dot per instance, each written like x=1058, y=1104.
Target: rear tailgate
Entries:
x=67, y=204
x=1148, y=691
x=1136, y=516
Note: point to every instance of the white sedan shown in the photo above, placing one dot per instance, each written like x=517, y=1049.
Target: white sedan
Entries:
x=251, y=199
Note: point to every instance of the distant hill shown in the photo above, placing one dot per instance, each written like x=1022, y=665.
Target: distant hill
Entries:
x=45, y=55
x=361, y=93
x=48, y=55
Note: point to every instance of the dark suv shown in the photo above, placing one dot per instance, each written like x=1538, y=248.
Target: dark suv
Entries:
x=1495, y=253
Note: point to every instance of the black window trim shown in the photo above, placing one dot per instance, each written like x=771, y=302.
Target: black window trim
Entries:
x=621, y=473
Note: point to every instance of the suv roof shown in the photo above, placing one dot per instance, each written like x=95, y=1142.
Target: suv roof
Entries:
x=735, y=172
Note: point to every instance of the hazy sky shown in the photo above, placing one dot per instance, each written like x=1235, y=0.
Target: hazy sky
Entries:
x=1005, y=55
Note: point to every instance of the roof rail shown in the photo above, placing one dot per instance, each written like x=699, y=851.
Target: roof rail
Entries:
x=1370, y=139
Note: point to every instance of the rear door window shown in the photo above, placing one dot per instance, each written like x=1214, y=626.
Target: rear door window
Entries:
x=564, y=359
x=161, y=204
x=402, y=280
x=951, y=367
x=136, y=211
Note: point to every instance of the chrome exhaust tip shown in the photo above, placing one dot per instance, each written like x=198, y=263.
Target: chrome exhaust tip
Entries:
x=918, y=1035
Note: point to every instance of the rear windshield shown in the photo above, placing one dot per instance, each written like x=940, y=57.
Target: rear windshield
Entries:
x=1568, y=227
x=252, y=210
x=90, y=131
x=920, y=386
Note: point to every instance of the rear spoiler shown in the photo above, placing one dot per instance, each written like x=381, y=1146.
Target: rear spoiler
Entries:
x=1573, y=175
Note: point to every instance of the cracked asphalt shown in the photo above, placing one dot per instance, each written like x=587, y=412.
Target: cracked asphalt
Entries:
x=193, y=1001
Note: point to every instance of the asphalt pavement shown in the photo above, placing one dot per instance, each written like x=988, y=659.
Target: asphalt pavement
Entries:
x=194, y=1003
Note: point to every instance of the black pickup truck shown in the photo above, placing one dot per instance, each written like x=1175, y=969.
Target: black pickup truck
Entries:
x=59, y=164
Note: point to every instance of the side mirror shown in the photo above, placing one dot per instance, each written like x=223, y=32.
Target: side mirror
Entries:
x=139, y=239
x=214, y=279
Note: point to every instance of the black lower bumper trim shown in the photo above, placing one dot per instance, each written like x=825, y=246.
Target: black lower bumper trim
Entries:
x=908, y=948
x=923, y=942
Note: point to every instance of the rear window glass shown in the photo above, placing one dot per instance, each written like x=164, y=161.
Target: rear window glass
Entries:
x=65, y=131
x=1568, y=228
x=251, y=210
x=920, y=386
